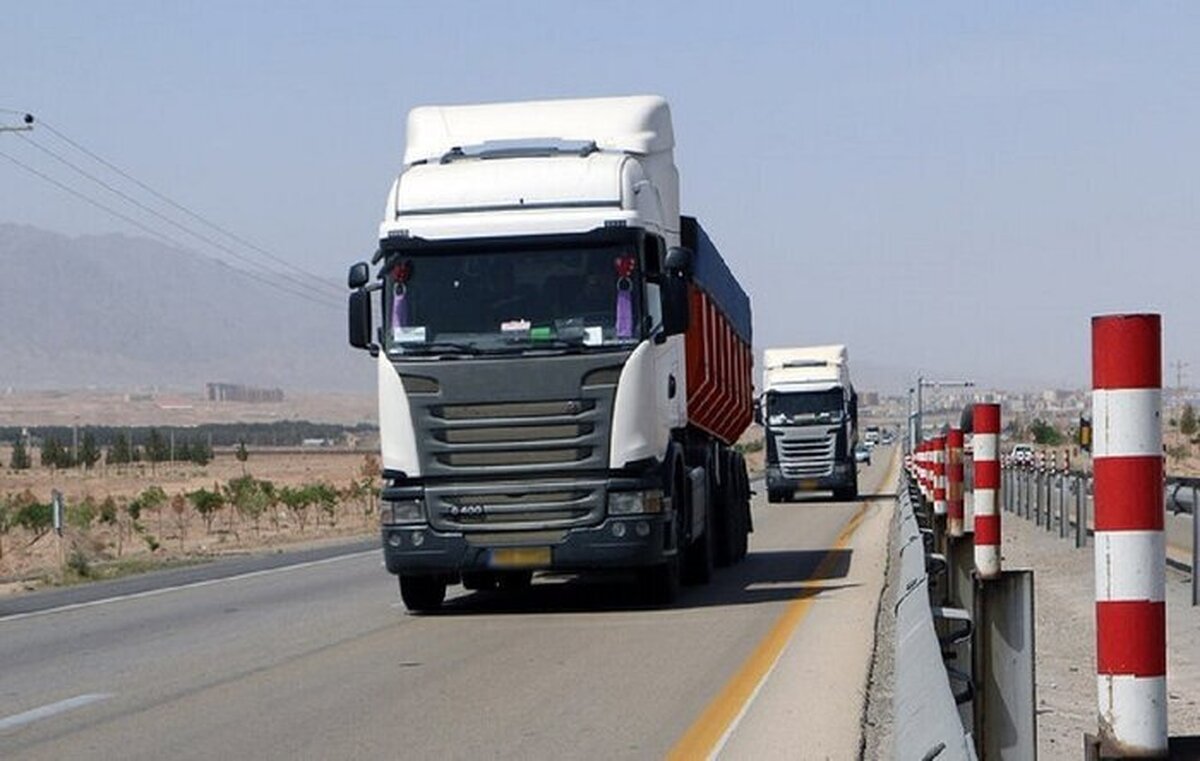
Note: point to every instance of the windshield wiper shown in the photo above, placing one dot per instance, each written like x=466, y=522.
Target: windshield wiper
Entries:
x=439, y=347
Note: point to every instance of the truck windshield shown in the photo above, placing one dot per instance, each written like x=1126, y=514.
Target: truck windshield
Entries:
x=805, y=404
x=514, y=301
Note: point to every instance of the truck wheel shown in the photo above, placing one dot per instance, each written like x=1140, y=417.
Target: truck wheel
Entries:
x=512, y=581
x=700, y=553
x=729, y=519
x=745, y=523
x=422, y=594
x=477, y=581
x=849, y=492
x=660, y=583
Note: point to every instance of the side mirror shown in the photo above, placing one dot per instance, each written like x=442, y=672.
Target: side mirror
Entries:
x=675, y=310
x=360, y=275
x=675, y=307
x=360, y=318
x=679, y=261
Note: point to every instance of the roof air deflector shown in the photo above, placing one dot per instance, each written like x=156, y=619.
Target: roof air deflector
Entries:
x=522, y=148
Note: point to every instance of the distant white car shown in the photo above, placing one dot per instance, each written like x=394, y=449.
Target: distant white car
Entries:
x=862, y=453
x=1021, y=454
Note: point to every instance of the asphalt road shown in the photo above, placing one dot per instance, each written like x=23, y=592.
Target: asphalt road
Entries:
x=319, y=660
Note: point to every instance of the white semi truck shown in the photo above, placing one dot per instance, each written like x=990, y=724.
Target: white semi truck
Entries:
x=563, y=360
x=810, y=417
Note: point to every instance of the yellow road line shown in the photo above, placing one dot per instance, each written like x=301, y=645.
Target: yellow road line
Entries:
x=704, y=735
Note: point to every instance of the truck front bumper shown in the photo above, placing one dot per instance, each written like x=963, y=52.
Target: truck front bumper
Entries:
x=624, y=542
x=841, y=476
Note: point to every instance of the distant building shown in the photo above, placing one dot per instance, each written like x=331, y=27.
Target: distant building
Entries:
x=234, y=392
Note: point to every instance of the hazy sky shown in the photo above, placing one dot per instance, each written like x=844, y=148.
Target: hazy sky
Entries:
x=943, y=186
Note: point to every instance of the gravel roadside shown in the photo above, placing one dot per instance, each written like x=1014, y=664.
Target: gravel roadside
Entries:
x=1066, y=647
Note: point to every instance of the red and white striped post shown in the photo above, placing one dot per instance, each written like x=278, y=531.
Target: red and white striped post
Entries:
x=938, y=456
x=985, y=421
x=954, y=482
x=1131, y=648
x=923, y=468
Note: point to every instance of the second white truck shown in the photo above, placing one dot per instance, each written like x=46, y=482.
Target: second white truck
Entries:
x=809, y=412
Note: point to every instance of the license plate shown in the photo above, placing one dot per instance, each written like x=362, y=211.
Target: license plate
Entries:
x=520, y=557
x=808, y=484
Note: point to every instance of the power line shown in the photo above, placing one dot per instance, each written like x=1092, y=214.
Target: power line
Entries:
x=162, y=236
x=180, y=207
x=155, y=213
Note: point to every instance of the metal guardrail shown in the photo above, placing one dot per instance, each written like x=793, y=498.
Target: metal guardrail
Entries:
x=925, y=704
x=1063, y=501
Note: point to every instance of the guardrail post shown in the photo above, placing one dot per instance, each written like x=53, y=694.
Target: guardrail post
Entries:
x=938, y=455
x=1081, y=510
x=1195, y=546
x=1064, y=523
x=986, y=489
x=954, y=482
x=1130, y=553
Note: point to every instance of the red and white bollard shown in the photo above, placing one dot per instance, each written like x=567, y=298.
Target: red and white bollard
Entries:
x=923, y=468
x=985, y=422
x=938, y=457
x=1131, y=650
x=954, y=482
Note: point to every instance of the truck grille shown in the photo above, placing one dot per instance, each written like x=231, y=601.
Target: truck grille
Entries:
x=508, y=506
x=512, y=435
x=806, y=456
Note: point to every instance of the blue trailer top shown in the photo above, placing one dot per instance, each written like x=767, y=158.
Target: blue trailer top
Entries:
x=713, y=275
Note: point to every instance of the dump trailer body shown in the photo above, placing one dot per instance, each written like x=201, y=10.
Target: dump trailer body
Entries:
x=720, y=360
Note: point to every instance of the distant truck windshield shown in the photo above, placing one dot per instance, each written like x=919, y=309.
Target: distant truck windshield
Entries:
x=808, y=403
x=499, y=301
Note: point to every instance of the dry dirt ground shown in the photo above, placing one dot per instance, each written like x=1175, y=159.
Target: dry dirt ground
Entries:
x=175, y=408
x=30, y=561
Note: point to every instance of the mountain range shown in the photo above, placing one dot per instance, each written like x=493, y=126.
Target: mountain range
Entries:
x=116, y=311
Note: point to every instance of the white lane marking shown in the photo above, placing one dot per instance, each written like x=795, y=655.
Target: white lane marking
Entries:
x=179, y=587
x=51, y=709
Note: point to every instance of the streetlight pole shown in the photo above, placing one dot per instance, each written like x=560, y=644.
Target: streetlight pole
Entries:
x=922, y=383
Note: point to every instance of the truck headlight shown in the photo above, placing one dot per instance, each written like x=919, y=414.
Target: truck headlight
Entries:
x=635, y=502
x=402, y=511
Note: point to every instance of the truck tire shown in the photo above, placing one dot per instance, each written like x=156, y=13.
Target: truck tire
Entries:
x=745, y=522
x=513, y=581
x=728, y=518
x=422, y=594
x=478, y=581
x=660, y=584
x=701, y=552
x=849, y=492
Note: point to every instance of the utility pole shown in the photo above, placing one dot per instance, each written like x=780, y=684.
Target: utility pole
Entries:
x=1179, y=366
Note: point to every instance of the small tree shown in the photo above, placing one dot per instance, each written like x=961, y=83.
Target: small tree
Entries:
x=1045, y=433
x=179, y=505
x=153, y=498
x=118, y=453
x=242, y=455
x=1187, y=421
x=201, y=453
x=89, y=453
x=325, y=497
x=249, y=498
x=298, y=501
x=6, y=520
x=20, y=455
x=81, y=516
x=207, y=503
